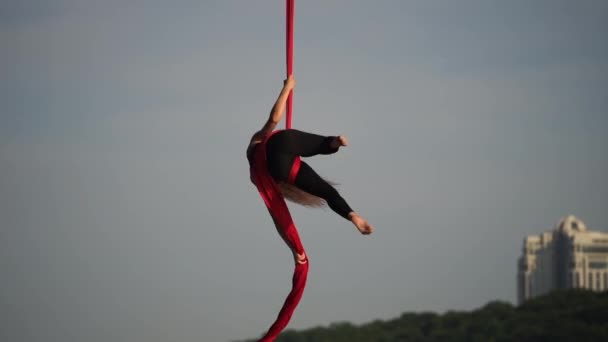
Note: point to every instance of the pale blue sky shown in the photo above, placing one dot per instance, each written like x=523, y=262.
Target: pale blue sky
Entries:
x=126, y=212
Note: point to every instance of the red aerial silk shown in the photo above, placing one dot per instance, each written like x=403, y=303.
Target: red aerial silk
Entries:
x=275, y=203
x=289, y=54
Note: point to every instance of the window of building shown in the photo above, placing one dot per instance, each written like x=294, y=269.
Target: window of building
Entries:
x=590, y=282
x=605, y=280
x=598, y=279
x=595, y=249
x=598, y=264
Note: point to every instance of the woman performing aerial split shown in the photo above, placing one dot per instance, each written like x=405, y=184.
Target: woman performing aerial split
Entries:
x=282, y=148
x=277, y=172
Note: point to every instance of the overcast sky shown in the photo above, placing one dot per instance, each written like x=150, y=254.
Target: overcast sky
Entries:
x=126, y=212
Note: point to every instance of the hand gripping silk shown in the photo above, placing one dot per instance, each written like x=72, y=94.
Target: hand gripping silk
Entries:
x=279, y=211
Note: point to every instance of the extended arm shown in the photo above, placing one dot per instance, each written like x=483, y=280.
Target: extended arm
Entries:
x=277, y=110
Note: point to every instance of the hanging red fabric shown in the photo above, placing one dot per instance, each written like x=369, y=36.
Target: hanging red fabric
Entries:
x=275, y=203
x=290, y=9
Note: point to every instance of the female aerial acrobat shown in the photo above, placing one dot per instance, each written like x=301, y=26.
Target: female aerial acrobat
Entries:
x=283, y=146
x=277, y=172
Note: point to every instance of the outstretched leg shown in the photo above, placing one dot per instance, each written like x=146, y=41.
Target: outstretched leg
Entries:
x=309, y=181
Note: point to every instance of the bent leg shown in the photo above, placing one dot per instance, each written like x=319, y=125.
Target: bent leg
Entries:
x=299, y=143
x=309, y=181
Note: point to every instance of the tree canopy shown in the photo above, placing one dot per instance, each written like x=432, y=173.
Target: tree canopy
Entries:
x=559, y=316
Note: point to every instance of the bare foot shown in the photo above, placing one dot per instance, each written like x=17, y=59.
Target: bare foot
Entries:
x=362, y=225
x=339, y=141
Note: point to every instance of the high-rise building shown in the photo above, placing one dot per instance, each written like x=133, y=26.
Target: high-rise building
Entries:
x=569, y=256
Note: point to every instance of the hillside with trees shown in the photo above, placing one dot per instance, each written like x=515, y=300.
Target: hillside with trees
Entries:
x=572, y=315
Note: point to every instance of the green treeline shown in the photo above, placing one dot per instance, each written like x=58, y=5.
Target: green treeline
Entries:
x=572, y=315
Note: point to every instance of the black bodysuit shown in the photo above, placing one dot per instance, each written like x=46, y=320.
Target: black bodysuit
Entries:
x=281, y=151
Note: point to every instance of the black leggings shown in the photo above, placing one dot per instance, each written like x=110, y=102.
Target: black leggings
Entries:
x=281, y=150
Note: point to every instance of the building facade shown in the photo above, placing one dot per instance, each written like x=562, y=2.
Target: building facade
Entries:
x=569, y=256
